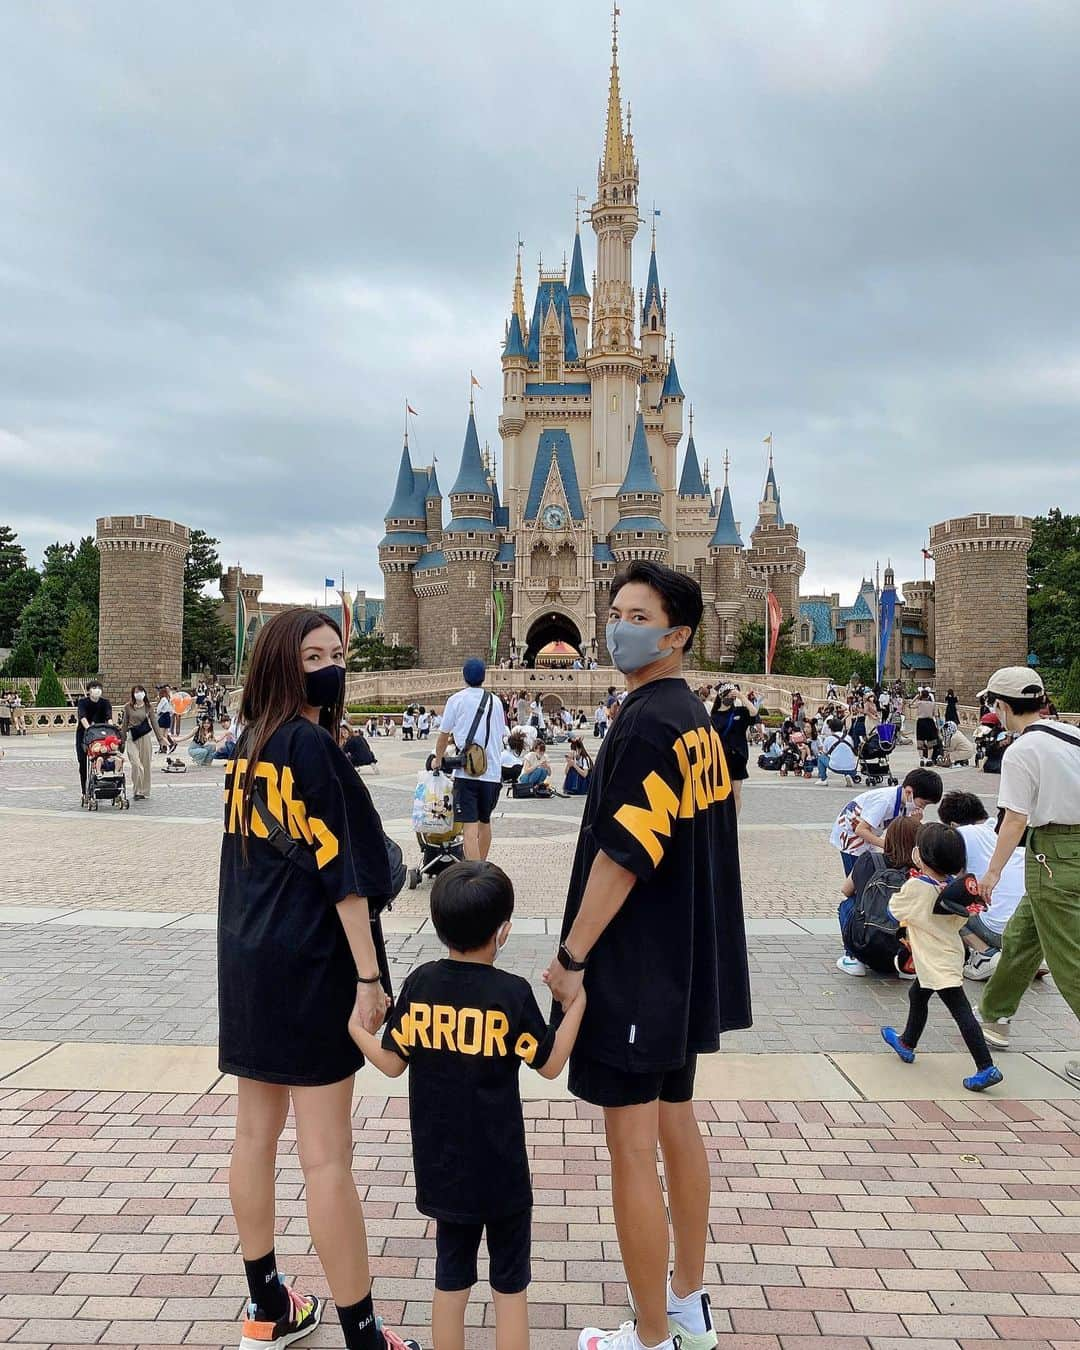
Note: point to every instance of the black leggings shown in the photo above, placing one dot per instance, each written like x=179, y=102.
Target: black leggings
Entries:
x=956, y=1002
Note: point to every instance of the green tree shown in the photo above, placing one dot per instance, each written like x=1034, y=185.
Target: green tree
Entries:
x=50, y=692
x=830, y=661
x=750, y=648
x=12, y=553
x=17, y=589
x=41, y=623
x=84, y=577
x=21, y=662
x=80, y=642
x=1054, y=589
x=208, y=643
x=368, y=652
x=1070, y=695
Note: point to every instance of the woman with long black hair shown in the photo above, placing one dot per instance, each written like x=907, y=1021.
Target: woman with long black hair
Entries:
x=298, y=946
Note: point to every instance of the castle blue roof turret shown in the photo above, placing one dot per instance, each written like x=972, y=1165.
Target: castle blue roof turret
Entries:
x=726, y=534
x=515, y=343
x=409, y=492
x=691, y=484
x=639, y=472
x=672, y=388
x=577, y=271
x=652, y=292
x=471, y=476
x=550, y=293
x=433, y=489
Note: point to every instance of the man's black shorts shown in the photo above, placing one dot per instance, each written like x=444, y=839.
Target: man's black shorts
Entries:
x=509, y=1244
x=474, y=800
x=601, y=1085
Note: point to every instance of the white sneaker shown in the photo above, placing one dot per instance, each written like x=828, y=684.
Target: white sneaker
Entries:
x=696, y=1308
x=850, y=966
x=822, y=782
x=981, y=965
x=996, y=1033
x=626, y=1338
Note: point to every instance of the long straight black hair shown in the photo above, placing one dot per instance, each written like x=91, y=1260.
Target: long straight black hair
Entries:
x=274, y=691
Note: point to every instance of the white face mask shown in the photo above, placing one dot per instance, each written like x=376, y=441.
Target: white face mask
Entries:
x=140, y=697
x=95, y=693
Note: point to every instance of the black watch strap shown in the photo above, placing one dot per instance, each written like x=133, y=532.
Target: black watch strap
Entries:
x=566, y=960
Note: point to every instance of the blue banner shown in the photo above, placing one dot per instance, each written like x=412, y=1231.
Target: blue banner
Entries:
x=886, y=618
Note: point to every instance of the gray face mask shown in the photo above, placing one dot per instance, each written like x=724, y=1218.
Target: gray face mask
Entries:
x=634, y=646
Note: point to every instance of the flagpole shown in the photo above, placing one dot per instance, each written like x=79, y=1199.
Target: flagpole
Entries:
x=768, y=588
x=877, y=622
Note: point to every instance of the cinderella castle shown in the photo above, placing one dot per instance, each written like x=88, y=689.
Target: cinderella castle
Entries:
x=592, y=419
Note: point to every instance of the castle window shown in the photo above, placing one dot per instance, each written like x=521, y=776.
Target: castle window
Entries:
x=639, y=535
x=652, y=323
x=472, y=534
x=598, y=459
x=614, y=403
x=471, y=580
x=453, y=636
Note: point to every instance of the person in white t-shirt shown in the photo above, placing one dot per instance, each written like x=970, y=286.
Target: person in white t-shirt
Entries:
x=837, y=754
x=1039, y=799
x=982, y=933
x=475, y=796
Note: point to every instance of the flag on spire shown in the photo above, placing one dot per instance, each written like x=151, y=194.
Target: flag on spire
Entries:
x=475, y=380
x=410, y=409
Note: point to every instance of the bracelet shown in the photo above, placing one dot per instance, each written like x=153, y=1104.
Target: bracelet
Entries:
x=375, y=979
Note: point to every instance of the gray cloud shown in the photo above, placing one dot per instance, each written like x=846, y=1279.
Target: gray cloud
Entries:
x=235, y=237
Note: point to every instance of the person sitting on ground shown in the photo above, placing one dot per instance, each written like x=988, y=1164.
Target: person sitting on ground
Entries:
x=897, y=857
x=961, y=750
x=355, y=746
x=983, y=932
x=202, y=747
x=933, y=931
x=536, y=771
x=837, y=754
x=513, y=755
x=225, y=744
x=578, y=768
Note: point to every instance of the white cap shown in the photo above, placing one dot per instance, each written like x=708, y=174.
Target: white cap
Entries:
x=1014, y=682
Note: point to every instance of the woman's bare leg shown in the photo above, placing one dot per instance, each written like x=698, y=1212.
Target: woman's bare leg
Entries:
x=335, y=1214
x=260, y=1117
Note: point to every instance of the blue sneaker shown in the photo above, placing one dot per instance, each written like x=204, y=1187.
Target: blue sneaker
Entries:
x=891, y=1038
x=979, y=1082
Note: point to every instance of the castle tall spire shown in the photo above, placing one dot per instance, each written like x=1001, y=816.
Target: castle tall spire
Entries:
x=614, y=141
x=519, y=294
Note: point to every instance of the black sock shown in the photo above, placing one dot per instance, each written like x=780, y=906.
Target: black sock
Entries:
x=359, y=1326
x=267, y=1292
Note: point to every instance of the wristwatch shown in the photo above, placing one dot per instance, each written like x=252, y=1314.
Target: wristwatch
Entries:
x=566, y=960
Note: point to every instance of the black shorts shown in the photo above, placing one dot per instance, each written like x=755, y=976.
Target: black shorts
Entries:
x=509, y=1244
x=474, y=800
x=601, y=1085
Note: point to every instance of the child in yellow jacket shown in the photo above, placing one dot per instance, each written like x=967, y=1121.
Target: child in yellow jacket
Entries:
x=933, y=907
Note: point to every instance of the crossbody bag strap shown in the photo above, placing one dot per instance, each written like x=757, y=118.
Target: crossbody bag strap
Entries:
x=476, y=721
x=1053, y=731
x=280, y=840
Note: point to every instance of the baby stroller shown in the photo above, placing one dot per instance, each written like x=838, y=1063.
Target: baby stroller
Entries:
x=438, y=834
x=874, y=755
x=105, y=779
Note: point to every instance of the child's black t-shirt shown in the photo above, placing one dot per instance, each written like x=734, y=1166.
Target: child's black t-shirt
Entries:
x=464, y=1028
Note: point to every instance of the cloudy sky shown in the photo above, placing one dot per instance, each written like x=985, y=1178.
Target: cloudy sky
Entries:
x=234, y=236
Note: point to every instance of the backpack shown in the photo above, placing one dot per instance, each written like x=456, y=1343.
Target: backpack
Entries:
x=873, y=933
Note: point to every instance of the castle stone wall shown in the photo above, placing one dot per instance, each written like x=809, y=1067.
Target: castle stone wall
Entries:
x=980, y=599
x=142, y=601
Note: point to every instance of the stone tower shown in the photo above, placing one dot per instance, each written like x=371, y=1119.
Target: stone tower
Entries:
x=980, y=596
x=774, y=547
x=248, y=584
x=142, y=601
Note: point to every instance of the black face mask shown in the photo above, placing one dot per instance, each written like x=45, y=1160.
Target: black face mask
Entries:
x=323, y=688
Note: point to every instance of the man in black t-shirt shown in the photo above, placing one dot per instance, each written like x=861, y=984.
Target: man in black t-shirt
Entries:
x=654, y=928
x=94, y=710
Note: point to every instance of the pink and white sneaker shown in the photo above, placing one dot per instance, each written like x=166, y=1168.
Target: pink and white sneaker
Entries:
x=626, y=1338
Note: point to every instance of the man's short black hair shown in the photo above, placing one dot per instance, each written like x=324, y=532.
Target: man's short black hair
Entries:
x=470, y=902
x=1022, y=706
x=941, y=848
x=680, y=595
x=961, y=808
x=925, y=784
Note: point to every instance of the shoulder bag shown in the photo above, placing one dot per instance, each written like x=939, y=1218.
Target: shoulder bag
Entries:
x=473, y=756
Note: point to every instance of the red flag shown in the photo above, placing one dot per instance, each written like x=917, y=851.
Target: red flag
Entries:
x=776, y=618
x=412, y=410
x=346, y=619
x=927, y=554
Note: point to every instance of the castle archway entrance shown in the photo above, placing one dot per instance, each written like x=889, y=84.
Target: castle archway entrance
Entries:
x=551, y=626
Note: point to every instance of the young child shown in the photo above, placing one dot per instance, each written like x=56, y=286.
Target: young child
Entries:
x=933, y=908
x=462, y=1028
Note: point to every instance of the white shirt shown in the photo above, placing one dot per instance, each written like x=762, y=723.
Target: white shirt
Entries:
x=980, y=841
x=457, y=719
x=876, y=809
x=1040, y=776
x=840, y=751
x=164, y=706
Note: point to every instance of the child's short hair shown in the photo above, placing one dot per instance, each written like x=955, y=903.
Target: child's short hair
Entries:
x=942, y=848
x=925, y=784
x=961, y=808
x=470, y=902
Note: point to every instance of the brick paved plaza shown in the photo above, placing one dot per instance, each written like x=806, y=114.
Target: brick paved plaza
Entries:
x=855, y=1201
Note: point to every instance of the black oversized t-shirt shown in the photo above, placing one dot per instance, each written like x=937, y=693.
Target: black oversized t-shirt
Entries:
x=669, y=973
x=465, y=1028
x=286, y=974
x=96, y=711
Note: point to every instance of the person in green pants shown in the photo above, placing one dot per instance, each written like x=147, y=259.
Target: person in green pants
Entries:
x=1039, y=799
